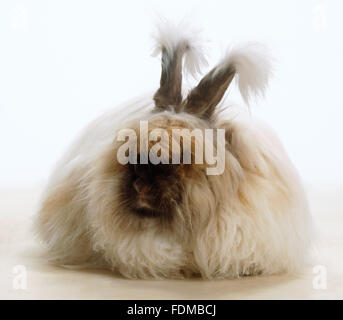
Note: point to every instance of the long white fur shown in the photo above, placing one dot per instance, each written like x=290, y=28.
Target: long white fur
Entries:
x=169, y=35
x=253, y=67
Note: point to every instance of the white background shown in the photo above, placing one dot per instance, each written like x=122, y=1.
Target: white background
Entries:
x=64, y=62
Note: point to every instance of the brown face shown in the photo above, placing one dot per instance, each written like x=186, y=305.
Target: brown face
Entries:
x=150, y=190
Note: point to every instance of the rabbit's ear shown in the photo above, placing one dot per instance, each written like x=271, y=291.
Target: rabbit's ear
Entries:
x=176, y=41
x=248, y=63
x=169, y=93
x=203, y=99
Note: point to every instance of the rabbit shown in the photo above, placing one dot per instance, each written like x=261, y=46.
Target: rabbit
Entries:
x=148, y=220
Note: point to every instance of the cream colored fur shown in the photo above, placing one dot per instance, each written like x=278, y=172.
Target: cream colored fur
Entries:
x=253, y=219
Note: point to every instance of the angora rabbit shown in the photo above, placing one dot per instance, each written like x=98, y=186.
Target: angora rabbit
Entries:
x=146, y=219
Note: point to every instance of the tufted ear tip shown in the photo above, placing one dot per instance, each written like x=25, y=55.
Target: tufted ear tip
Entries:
x=176, y=42
x=248, y=63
